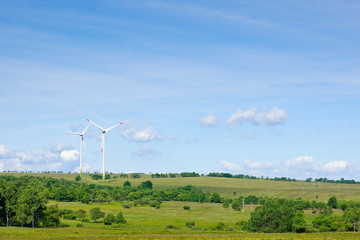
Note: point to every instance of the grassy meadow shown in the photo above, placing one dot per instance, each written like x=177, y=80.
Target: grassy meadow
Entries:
x=144, y=222
x=227, y=186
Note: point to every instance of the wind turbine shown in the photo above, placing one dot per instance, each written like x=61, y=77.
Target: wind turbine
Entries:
x=103, y=142
x=81, y=144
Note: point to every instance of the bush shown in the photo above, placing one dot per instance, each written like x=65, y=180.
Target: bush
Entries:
x=154, y=203
x=236, y=205
x=127, y=184
x=324, y=229
x=190, y=224
x=186, y=207
x=77, y=178
x=63, y=225
x=220, y=226
x=120, y=218
x=226, y=205
x=109, y=219
x=146, y=185
x=81, y=213
x=85, y=220
x=66, y=211
x=69, y=216
x=230, y=229
x=170, y=226
x=79, y=225
x=127, y=205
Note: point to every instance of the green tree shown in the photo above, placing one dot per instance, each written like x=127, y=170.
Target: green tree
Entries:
x=146, y=185
x=299, y=224
x=236, y=205
x=215, y=198
x=275, y=215
x=120, y=218
x=10, y=195
x=31, y=204
x=332, y=202
x=127, y=184
x=109, y=219
x=52, y=216
x=352, y=218
x=95, y=213
x=322, y=222
x=86, y=198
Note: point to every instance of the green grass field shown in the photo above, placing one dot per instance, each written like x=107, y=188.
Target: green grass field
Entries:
x=227, y=186
x=150, y=223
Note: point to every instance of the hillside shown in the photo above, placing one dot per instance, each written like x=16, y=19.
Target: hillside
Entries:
x=227, y=186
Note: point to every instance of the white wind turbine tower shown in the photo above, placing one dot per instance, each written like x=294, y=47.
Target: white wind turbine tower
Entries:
x=81, y=144
x=103, y=142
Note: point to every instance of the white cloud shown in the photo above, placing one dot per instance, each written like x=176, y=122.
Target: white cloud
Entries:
x=231, y=166
x=146, y=135
x=336, y=166
x=4, y=152
x=38, y=160
x=274, y=116
x=211, y=120
x=69, y=155
x=299, y=168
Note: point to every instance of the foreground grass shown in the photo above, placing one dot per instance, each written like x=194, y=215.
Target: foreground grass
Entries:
x=150, y=223
x=226, y=187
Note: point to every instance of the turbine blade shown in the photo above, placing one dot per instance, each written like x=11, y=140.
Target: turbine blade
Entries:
x=73, y=132
x=113, y=126
x=86, y=129
x=96, y=125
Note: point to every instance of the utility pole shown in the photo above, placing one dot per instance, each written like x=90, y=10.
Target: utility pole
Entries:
x=243, y=205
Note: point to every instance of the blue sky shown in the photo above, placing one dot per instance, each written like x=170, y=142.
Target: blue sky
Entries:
x=266, y=88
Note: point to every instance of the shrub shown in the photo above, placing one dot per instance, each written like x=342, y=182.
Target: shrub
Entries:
x=66, y=211
x=85, y=220
x=190, y=224
x=226, y=205
x=236, y=205
x=230, y=229
x=77, y=178
x=170, y=226
x=109, y=219
x=186, y=207
x=69, y=216
x=220, y=226
x=81, y=213
x=154, y=203
x=324, y=228
x=79, y=225
x=127, y=184
x=127, y=205
x=120, y=218
x=64, y=225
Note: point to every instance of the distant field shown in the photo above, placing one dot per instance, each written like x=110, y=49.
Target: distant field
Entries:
x=227, y=186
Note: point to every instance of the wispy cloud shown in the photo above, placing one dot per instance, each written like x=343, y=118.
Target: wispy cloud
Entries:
x=211, y=120
x=145, y=152
x=274, y=116
x=299, y=167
